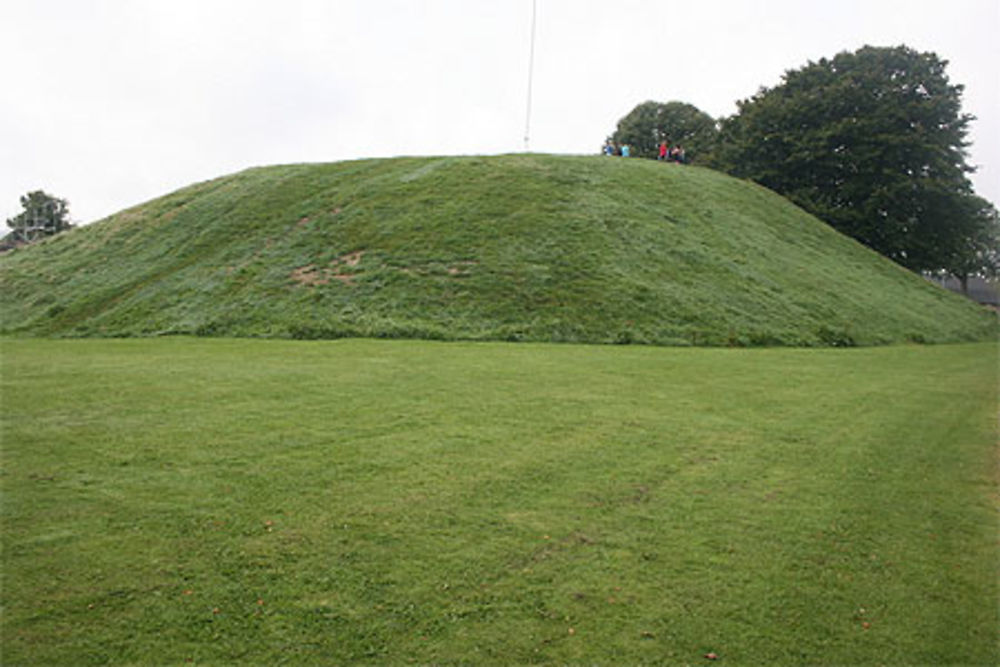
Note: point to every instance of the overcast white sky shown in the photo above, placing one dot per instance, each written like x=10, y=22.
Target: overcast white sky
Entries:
x=109, y=103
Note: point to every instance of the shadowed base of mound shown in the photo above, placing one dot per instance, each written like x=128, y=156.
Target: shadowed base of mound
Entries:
x=514, y=248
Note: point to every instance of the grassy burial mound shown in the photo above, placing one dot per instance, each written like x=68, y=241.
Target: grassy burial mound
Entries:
x=540, y=248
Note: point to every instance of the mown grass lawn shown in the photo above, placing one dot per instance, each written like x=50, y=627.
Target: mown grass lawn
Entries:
x=224, y=501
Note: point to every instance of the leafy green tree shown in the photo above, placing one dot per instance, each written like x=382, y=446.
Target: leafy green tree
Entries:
x=977, y=250
x=43, y=215
x=873, y=142
x=675, y=122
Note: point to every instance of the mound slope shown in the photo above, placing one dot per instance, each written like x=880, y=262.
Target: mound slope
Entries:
x=518, y=247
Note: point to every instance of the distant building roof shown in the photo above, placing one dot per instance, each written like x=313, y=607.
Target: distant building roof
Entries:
x=980, y=290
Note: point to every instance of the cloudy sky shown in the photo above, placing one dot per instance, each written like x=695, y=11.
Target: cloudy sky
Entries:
x=109, y=103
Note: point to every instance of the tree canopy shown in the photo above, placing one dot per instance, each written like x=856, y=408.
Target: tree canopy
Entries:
x=974, y=250
x=873, y=142
x=677, y=123
x=43, y=215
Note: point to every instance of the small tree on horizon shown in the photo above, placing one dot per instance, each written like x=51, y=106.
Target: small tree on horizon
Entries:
x=43, y=215
x=678, y=123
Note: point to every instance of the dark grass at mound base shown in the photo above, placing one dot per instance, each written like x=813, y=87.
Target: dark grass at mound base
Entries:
x=514, y=248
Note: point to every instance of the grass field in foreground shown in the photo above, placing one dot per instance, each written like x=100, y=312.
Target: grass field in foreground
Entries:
x=224, y=501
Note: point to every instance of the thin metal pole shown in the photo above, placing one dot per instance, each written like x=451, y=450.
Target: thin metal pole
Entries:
x=531, y=69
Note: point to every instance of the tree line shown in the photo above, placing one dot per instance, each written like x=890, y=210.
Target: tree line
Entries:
x=872, y=142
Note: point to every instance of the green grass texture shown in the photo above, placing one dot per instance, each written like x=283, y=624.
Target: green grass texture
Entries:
x=235, y=501
x=506, y=248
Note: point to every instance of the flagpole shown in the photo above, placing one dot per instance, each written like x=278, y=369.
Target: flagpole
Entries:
x=531, y=69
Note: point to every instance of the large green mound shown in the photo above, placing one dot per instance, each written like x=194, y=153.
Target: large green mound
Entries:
x=518, y=247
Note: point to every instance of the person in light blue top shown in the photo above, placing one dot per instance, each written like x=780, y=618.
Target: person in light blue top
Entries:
x=625, y=150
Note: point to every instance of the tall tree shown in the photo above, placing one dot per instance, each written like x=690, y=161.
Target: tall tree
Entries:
x=874, y=143
x=677, y=123
x=43, y=215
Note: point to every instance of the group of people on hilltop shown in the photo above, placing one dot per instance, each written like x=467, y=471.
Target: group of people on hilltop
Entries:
x=666, y=152
x=613, y=148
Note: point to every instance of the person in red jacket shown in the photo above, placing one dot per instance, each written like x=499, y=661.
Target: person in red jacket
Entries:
x=663, y=150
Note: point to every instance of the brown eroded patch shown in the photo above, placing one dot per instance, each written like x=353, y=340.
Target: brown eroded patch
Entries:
x=351, y=258
x=339, y=270
x=310, y=276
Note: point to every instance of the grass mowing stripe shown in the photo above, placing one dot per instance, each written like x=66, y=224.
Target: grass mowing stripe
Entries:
x=268, y=501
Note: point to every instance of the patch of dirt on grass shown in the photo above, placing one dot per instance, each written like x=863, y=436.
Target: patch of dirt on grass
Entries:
x=310, y=276
x=351, y=258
